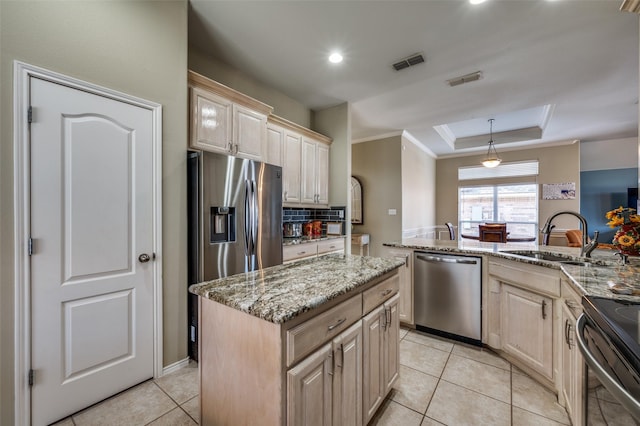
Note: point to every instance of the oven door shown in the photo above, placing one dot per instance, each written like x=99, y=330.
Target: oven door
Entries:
x=609, y=367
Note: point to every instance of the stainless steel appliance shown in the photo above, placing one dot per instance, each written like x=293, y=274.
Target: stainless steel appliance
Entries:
x=447, y=295
x=608, y=335
x=235, y=220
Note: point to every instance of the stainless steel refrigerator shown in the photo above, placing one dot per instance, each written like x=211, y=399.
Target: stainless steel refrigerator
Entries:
x=234, y=221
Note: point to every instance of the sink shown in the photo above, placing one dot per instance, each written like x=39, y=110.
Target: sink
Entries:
x=576, y=263
x=538, y=255
x=564, y=260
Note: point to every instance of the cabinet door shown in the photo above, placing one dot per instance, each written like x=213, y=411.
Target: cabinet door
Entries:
x=572, y=368
x=210, y=122
x=322, y=175
x=372, y=362
x=391, y=343
x=309, y=388
x=527, y=328
x=405, y=305
x=291, y=167
x=347, y=377
x=308, y=168
x=249, y=132
x=275, y=145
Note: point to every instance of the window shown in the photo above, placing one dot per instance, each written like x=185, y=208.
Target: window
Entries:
x=515, y=204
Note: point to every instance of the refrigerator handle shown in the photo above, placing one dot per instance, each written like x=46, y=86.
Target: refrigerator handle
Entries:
x=254, y=219
x=248, y=220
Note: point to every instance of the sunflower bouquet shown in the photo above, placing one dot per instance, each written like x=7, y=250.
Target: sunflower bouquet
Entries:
x=627, y=239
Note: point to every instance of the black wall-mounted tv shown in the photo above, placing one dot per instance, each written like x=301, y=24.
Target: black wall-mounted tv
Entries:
x=632, y=198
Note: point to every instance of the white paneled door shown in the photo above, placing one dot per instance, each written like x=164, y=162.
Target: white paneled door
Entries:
x=92, y=231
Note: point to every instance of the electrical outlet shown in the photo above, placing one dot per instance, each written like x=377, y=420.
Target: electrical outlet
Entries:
x=341, y=214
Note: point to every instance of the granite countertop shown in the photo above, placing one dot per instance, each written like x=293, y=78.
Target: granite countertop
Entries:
x=602, y=274
x=280, y=293
x=288, y=241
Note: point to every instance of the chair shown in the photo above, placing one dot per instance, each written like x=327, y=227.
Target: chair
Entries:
x=452, y=232
x=574, y=237
x=493, y=232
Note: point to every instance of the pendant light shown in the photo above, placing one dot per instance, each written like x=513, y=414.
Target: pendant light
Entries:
x=491, y=160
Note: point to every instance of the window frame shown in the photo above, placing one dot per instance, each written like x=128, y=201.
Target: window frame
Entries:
x=495, y=207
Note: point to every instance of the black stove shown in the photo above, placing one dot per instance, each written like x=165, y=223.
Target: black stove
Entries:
x=609, y=339
x=620, y=320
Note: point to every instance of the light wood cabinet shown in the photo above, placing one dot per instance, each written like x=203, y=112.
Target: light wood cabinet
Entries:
x=326, y=387
x=311, y=249
x=305, y=164
x=381, y=355
x=310, y=388
x=347, y=377
x=226, y=121
x=274, y=151
x=291, y=169
x=315, y=172
x=572, y=362
x=522, y=316
x=527, y=328
x=405, y=306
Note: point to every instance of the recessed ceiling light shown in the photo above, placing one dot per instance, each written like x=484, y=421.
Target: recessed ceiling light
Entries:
x=476, y=1
x=335, y=58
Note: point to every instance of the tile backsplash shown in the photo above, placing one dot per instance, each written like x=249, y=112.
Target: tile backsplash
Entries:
x=302, y=215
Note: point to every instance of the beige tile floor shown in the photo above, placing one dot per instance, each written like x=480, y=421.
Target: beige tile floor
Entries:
x=442, y=383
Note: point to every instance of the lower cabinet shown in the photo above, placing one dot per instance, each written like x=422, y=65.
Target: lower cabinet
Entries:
x=405, y=308
x=344, y=382
x=381, y=355
x=325, y=387
x=527, y=328
x=573, y=369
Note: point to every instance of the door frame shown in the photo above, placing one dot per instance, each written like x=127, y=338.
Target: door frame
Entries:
x=22, y=72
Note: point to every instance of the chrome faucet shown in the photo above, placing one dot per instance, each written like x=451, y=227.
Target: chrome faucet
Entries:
x=587, y=247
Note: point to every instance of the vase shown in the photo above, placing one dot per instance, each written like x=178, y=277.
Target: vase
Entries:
x=627, y=239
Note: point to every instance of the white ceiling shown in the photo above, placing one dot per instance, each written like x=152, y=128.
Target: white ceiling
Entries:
x=575, y=59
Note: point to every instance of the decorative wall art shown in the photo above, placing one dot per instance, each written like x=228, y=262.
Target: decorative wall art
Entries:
x=559, y=191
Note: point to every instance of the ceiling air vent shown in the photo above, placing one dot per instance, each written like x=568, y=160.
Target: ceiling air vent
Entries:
x=465, y=79
x=412, y=60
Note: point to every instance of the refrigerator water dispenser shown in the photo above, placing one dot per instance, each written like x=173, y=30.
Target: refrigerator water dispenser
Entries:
x=223, y=225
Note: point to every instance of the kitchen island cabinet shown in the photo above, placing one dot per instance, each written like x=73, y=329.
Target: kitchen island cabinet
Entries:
x=285, y=344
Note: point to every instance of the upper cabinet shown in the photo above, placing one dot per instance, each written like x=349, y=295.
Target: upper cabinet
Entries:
x=226, y=121
x=305, y=163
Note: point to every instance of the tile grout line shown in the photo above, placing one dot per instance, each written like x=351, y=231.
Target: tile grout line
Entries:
x=172, y=400
x=437, y=384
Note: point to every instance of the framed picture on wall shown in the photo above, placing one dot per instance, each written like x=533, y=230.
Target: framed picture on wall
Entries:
x=559, y=191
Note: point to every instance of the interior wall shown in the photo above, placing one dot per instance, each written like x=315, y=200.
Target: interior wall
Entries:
x=139, y=48
x=378, y=164
x=335, y=122
x=558, y=164
x=283, y=106
x=418, y=188
x=609, y=154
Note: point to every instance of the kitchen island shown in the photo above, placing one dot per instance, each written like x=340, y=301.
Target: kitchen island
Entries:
x=310, y=342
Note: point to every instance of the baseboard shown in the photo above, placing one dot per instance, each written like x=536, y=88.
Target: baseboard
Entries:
x=175, y=366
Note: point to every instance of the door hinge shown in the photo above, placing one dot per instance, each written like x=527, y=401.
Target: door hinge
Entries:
x=30, y=114
x=30, y=246
x=31, y=377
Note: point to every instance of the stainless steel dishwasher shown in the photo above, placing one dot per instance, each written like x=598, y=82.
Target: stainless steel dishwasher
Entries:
x=447, y=295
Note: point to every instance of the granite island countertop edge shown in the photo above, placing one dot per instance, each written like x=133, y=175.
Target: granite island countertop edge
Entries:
x=281, y=293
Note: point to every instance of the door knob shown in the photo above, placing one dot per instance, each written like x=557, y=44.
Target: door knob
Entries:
x=144, y=258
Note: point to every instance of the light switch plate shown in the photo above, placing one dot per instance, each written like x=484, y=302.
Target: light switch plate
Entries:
x=392, y=212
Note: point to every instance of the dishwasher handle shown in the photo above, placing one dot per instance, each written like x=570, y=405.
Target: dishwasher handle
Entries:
x=436, y=259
